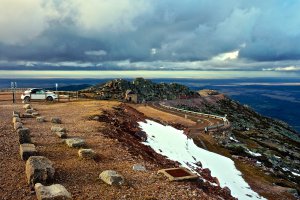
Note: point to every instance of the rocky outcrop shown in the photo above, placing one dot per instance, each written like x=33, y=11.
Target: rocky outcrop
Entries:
x=52, y=192
x=111, y=177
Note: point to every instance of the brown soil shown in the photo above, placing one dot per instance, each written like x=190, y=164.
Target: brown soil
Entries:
x=78, y=176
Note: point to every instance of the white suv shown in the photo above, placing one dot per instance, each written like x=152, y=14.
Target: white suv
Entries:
x=38, y=94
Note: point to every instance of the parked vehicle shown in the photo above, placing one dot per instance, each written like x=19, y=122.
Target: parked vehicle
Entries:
x=38, y=94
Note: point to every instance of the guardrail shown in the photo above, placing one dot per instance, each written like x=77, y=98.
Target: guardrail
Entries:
x=224, y=119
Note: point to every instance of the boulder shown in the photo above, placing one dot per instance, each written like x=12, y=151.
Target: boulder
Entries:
x=30, y=111
x=27, y=150
x=39, y=169
x=18, y=125
x=111, y=177
x=61, y=134
x=16, y=114
x=52, y=192
x=40, y=119
x=58, y=129
x=87, y=153
x=138, y=167
x=24, y=135
x=55, y=120
x=16, y=119
x=27, y=106
x=75, y=142
x=27, y=115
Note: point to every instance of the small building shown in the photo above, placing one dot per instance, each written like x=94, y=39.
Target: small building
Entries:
x=131, y=96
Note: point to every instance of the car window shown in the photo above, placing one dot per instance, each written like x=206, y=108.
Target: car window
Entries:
x=40, y=92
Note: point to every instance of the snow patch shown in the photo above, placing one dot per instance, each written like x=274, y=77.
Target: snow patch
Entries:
x=176, y=146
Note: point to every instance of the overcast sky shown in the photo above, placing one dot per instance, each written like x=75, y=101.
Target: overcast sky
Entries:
x=151, y=34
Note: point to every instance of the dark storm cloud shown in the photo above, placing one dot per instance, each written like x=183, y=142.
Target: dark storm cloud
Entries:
x=191, y=33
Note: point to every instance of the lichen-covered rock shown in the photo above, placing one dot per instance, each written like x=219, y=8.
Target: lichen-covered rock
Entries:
x=39, y=169
x=35, y=114
x=24, y=135
x=27, y=150
x=27, y=115
x=61, y=134
x=16, y=114
x=52, y=192
x=30, y=111
x=16, y=119
x=55, y=120
x=111, y=177
x=58, y=129
x=138, y=167
x=87, y=153
x=75, y=142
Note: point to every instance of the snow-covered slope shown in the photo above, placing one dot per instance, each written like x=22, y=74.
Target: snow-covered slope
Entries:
x=173, y=144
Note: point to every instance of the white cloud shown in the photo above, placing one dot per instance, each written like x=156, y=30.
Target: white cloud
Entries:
x=287, y=68
x=96, y=53
x=227, y=56
x=21, y=20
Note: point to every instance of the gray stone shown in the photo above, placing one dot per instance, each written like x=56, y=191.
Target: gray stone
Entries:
x=111, y=177
x=75, y=142
x=16, y=114
x=39, y=169
x=35, y=114
x=30, y=111
x=27, y=115
x=58, y=129
x=52, y=192
x=16, y=119
x=18, y=125
x=61, y=134
x=40, y=119
x=87, y=153
x=27, y=106
x=27, y=150
x=138, y=167
x=24, y=135
x=56, y=120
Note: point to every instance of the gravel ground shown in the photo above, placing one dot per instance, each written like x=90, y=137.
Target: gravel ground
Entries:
x=78, y=176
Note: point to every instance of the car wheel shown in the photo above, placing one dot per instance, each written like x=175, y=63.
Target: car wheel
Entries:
x=27, y=99
x=49, y=99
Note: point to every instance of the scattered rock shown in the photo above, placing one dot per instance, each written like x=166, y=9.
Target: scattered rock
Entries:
x=16, y=114
x=61, y=134
x=27, y=150
x=75, y=142
x=24, y=135
x=111, y=177
x=138, y=167
x=40, y=119
x=27, y=106
x=39, y=169
x=58, y=129
x=87, y=153
x=141, y=135
x=16, y=119
x=30, y=111
x=27, y=115
x=56, y=120
x=52, y=192
x=35, y=114
x=18, y=125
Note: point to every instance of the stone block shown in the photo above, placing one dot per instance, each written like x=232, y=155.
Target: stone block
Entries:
x=52, y=192
x=58, y=129
x=16, y=119
x=24, y=135
x=40, y=119
x=35, y=114
x=18, y=125
x=27, y=150
x=75, y=142
x=39, y=169
x=111, y=177
x=138, y=167
x=56, y=120
x=27, y=106
x=86, y=153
